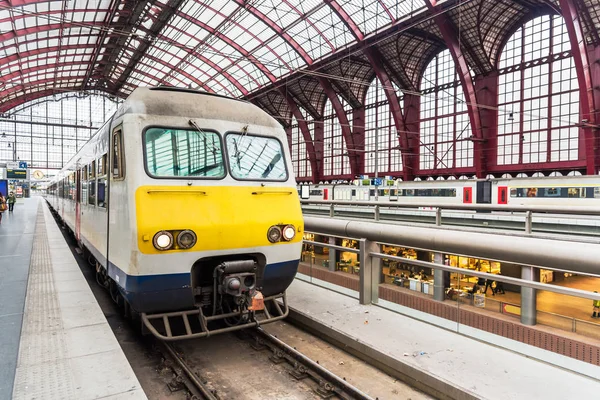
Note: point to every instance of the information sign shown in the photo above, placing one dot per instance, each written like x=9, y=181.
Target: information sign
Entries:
x=16, y=173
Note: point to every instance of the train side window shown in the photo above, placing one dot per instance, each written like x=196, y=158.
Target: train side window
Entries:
x=101, y=185
x=118, y=167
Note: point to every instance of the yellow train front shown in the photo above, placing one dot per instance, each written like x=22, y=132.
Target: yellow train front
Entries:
x=202, y=217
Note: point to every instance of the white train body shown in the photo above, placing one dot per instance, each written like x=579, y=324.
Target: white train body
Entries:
x=544, y=191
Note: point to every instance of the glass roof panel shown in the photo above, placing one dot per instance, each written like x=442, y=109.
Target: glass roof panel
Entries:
x=402, y=8
x=278, y=11
x=369, y=15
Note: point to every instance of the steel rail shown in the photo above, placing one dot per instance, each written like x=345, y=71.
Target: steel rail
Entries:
x=205, y=391
x=574, y=210
x=326, y=378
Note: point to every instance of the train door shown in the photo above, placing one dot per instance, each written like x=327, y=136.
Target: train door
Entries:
x=78, y=176
x=325, y=194
x=484, y=192
x=502, y=194
x=467, y=194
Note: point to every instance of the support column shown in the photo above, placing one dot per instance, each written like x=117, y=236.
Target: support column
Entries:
x=333, y=254
x=438, y=278
x=528, y=296
x=370, y=272
x=358, y=130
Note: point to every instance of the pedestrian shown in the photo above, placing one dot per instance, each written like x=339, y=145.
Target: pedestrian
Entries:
x=12, y=199
x=488, y=284
x=499, y=286
x=2, y=206
x=596, y=303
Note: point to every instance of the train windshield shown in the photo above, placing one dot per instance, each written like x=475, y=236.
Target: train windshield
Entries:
x=255, y=157
x=183, y=153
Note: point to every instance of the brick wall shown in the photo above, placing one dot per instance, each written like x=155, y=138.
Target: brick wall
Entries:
x=337, y=278
x=493, y=323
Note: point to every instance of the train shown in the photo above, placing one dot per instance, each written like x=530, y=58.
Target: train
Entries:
x=541, y=191
x=186, y=202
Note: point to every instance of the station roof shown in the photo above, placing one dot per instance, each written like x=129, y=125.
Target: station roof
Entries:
x=248, y=48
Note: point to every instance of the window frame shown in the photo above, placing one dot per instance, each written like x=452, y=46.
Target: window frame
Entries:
x=224, y=159
x=117, y=132
x=287, y=172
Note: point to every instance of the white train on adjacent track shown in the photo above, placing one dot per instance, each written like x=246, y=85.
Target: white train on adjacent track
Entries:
x=545, y=191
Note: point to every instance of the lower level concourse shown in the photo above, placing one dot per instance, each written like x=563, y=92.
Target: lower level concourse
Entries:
x=568, y=314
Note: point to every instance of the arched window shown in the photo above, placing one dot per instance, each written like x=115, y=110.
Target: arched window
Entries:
x=335, y=154
x=300, y=158
x=381, y=139
x=48, y=131
x=538, y=95
x=445, y=127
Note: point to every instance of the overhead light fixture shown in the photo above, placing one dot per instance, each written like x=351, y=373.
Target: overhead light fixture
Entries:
x=510, y=117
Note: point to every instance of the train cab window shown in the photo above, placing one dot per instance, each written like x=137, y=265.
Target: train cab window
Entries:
x=183, y=153
x=255, y=157
x=118, y=164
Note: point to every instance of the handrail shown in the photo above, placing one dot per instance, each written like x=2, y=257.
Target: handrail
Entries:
x=539, y=252
x=577, y=210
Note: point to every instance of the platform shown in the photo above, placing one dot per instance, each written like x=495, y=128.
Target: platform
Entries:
x=64, y=348
x=454, y=365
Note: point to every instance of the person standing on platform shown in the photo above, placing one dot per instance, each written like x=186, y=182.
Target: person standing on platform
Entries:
x=596, y=303
x=12, y=199
x=2, y=206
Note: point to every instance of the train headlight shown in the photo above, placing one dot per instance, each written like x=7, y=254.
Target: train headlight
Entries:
x=163, y=240
x=274, y=234
x=289, y=232
x=186, y=239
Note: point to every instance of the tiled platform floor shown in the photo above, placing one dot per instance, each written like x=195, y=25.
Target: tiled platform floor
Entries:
x=66, y=349
x=471, y=366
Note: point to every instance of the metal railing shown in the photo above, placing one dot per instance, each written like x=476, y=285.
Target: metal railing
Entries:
x=528, y=252
x=526, y=211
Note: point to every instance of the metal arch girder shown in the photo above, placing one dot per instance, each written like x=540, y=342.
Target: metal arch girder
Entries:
x=374, y=58
x=277, y=29
x=49, y=12
x=167, y=11
x=344, y=124
x=182, y=72
x=449, y=33
x=231, y=43
x=315, y=163
x=202, y=58
x=110, y=15
x=346, y=19
x=33, y=95
x=46, y=67
x=30, y=53
x=42, y=28
x=54, y=67
x=586, y=83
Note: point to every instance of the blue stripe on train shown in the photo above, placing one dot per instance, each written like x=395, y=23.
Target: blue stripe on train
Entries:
x=170, y=292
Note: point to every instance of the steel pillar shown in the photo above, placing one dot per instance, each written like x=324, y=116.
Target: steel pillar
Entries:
x=439, y=283
x=589, y=113
x=332, y=254
x=449, y=33
x=528, y=296
x=370, y=271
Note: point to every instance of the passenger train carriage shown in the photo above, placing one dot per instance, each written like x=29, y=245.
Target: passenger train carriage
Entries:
x=543, y=191
x=187, y=202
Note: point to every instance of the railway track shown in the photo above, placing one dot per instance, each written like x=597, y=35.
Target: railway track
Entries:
x=323, y=383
